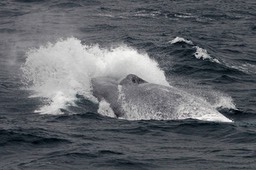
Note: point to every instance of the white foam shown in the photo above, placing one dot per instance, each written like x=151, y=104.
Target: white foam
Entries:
x=59, y=100
x=105, y=109
x=202, y=54
x=59, y=71
x=180, y=39
x=225, y=102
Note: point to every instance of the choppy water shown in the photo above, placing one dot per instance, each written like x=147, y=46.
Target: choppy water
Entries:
x=50, y=51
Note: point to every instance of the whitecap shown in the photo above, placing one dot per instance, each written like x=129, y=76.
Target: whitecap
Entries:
x=180, y=39
x=203, y=54
x=200, y=52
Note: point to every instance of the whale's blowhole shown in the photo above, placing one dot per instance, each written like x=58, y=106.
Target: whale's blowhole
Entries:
x=132, y=79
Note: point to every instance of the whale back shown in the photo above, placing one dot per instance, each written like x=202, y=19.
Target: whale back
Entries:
x=132, y=79
x=135, y=99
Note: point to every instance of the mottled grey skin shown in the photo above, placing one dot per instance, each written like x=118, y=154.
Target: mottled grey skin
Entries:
x=137, y=91
x=107, y=88
x=136, y=97
x=152, y=99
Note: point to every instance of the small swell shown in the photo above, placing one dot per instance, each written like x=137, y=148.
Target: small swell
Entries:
x=9, y=137
x=109, y=152
x=67, y=5
x=30, y=1
x=127, y=164
x=80, y=155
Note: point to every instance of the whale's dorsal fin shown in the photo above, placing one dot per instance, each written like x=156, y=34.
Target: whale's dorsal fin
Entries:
x=132, y=79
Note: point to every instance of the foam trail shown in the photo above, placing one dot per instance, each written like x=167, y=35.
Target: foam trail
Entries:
x=59, y=71
x=105, y=109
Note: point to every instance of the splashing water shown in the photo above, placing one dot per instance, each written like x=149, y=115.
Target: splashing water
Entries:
x=60, y=71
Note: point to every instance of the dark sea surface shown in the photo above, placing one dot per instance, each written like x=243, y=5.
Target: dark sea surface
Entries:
x=50, y=50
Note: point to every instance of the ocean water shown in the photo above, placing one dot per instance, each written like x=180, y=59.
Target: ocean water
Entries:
x=51, y=50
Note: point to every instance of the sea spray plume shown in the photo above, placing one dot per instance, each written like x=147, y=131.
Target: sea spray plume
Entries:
x=59, y=71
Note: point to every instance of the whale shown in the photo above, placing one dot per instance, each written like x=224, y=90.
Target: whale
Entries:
x=134, y=98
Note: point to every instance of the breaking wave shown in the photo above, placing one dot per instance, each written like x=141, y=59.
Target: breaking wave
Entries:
x=180, y=39
x=200, y=52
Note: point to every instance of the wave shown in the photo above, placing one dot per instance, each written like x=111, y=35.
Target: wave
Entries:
x=14, y=136
x=200, y=52
x=58, y=72
x=244, y=67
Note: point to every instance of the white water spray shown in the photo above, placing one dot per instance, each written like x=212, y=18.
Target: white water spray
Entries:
x=59, y=71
